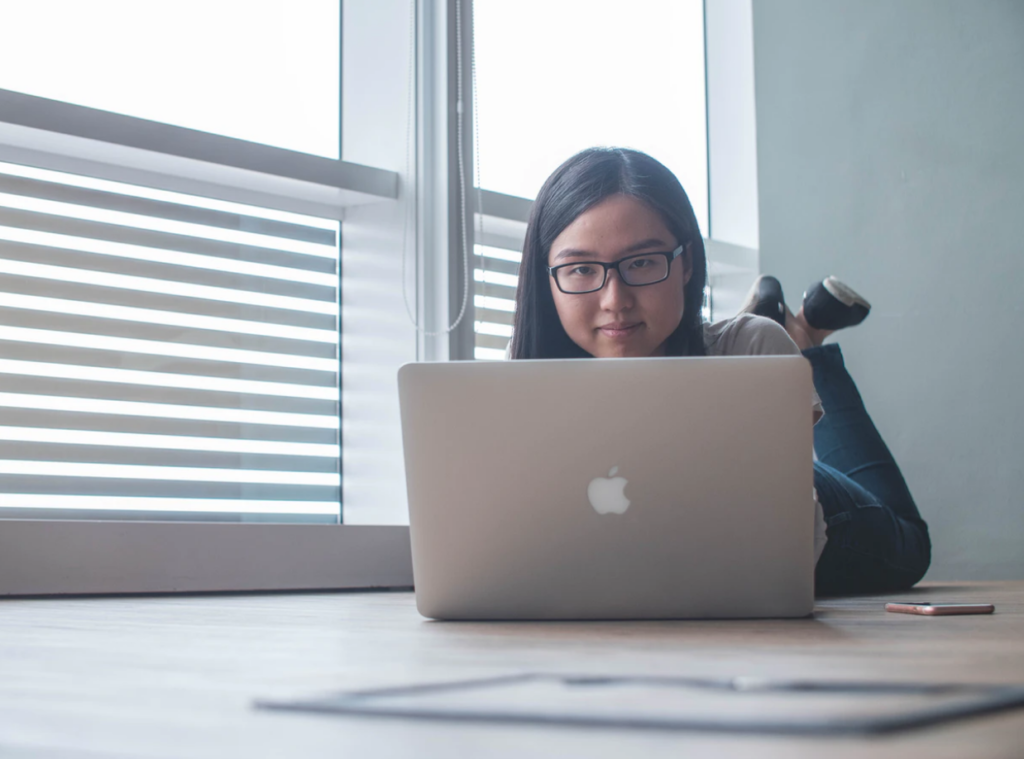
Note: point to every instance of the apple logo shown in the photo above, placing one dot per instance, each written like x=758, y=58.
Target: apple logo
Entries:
x=605, y=493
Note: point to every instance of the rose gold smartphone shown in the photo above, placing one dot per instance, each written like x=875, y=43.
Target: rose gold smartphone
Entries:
x=935, y=610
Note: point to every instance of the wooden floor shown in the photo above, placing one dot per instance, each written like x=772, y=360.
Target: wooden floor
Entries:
x=177, y=676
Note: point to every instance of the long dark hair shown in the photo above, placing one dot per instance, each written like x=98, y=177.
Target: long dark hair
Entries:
x=577, y=185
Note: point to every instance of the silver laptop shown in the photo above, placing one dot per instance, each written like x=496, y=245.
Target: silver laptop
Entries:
x=662, y=488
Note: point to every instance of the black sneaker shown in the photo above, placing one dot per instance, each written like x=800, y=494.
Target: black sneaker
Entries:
x=765, y=299
x=832, y=305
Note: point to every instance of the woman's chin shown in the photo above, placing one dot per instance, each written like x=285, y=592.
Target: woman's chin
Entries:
x=621, y=350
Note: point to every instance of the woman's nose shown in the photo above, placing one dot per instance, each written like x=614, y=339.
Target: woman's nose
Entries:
x=615, y=294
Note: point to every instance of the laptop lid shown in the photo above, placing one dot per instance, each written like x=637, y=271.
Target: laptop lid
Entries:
x=610, y=489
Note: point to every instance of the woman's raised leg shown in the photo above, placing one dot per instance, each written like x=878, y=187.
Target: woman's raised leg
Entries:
x=877, y=540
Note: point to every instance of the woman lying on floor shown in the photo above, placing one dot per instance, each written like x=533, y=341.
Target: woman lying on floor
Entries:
x=614, y=266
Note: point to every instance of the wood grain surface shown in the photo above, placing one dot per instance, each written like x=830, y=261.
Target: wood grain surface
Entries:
x=177, y=676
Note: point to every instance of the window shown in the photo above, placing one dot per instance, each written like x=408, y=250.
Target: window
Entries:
x=555, y=78
x=495, y=278
x=266, y=72
x=178, y=292
x=164, y=356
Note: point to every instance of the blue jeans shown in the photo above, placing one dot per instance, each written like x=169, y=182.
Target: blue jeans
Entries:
x=877, y=541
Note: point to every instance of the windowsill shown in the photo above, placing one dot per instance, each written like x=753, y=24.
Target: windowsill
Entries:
x=46, y=557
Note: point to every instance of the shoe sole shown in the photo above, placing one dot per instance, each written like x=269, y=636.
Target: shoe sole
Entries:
x=844, y=293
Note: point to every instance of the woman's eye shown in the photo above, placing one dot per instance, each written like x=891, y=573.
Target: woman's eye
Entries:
x=581, y=271
x=640, y=263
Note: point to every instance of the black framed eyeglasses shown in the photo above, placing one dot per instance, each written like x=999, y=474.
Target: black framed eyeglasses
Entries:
x=639, y=270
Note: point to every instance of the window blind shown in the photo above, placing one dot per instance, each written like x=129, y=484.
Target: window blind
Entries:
x=164, y=356
x=495, y=278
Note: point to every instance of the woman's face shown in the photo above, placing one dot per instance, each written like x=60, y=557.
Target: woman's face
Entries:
x=620, y=321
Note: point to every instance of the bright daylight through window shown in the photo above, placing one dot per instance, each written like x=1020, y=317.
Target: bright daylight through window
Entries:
x=264, y=71
x=163, y=355
x=553, y=78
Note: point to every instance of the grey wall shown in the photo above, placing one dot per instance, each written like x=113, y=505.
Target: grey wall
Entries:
x=891, y=153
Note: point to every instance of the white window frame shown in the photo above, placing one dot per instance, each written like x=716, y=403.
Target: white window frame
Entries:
x=47, y=556
x=60, y=557
x=732, y=239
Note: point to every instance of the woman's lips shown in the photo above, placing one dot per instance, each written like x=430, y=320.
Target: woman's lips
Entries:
x=619, y=330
